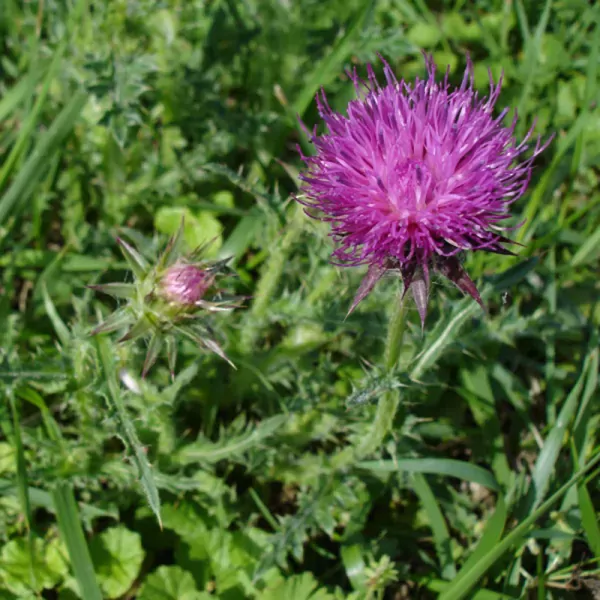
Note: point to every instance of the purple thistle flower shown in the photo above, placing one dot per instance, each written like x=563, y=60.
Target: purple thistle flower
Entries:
x=185, y=284
x=413, y=175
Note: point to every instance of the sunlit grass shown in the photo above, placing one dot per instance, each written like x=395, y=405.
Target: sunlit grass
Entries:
x=269, y=481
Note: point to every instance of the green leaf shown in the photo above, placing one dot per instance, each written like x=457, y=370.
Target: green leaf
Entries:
x=118, y=320
x=42, y=499
x=117, y=556
x=116, y=290
x=62, y=331
x=28, y=127
x=588, y=251
x=296, y=587
x=435, y=466
x=140, y=328
x=354, y=563
x=206, y=451
x=532, y=58
x=546, y=461
x=438, y=585
x=441, y=535
x=543, y=189
x=15, y=566
x=591, y=84
x=154, y=347
x=244, y=234
x=509, y=278
x=23, y=90
x=171, y=583
x=8, y=464
x=491, y=536
x=70, y=529
x=137, y=263
x=22, y=484
x=444, y=334
x=589, y=517
x=424, y=35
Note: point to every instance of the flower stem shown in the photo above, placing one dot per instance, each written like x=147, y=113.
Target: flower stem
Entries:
x=388, y=403
x=396, y=329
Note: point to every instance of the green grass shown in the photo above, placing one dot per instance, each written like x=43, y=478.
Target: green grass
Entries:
x=340, y=459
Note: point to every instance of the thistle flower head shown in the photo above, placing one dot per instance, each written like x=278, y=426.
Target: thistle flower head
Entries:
x=185, y=284
x=412, y=175
x=172, y=298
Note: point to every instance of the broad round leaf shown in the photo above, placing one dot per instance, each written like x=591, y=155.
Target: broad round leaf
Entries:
x=117, y=556
x=49, y=567
x=171, y=583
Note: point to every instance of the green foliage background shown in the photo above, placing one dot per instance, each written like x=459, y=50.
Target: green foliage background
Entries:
x=123, y=116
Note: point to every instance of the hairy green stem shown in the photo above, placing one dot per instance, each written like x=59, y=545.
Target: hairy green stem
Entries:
x=388, y=403
x=396, y=329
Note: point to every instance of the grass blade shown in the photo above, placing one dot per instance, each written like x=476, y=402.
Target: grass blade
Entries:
x=588, y=251
x=466, y=580
x=582, y=419
x=492, y=534
x=442, y=336
x=62, y=331
x=591, y=82
x=532, y=58
x=435, y=466
x=589, y=518
x=72, y=534
x=33, y=170
x=546, y=461
x=18, y=93
x=32, y=118
x=441, y=535
x=332, y=62
x=543, y=190
x=439, y=585
x=39, y=498
x=22, y=485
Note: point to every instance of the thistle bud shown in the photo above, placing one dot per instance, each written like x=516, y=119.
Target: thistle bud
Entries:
x=185, y=284
x=172, y=298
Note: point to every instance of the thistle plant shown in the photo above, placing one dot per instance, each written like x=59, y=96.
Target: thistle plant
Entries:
x=171, y=298
x=414, y=175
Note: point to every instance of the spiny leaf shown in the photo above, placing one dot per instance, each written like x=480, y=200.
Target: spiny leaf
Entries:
x=137, y=263
x=374, y=274
x=152, y=354
x=232, y=448
x=127, y=428
x=142, y=327
x=117, y=320
x=116, y=290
